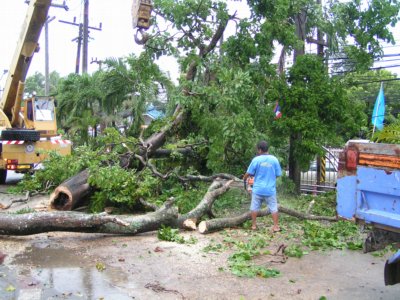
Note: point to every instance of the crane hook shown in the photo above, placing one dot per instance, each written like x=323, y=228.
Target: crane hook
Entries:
x=143, y=38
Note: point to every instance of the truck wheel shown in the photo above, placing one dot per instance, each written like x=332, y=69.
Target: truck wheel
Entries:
x=3, y=176
x=20, y=135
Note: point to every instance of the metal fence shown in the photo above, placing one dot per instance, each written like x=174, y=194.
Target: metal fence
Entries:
x=323, y=181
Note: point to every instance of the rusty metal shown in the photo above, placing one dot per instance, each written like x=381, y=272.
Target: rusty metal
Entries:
x=378, y=160
x=376, y=148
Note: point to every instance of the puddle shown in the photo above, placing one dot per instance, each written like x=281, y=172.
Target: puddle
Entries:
x=41, y=272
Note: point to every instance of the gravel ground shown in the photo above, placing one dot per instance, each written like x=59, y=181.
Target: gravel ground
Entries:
x=65, y=265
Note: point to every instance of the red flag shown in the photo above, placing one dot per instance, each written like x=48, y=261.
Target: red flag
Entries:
x=277, y=110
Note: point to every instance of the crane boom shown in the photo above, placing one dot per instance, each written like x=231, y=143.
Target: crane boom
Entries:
x=26, y=46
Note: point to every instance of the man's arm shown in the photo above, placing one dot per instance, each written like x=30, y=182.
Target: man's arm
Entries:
x=246, y=175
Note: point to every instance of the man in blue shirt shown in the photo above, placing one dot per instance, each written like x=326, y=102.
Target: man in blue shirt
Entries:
x=265, y=168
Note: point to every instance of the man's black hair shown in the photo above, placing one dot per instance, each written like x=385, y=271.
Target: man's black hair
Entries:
x=263, y=146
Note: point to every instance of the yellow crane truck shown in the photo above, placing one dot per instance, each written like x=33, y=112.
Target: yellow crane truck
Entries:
x=28, y=127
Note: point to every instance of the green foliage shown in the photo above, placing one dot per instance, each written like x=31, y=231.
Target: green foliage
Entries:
x=125, y=86
x=392, y=248
x=322, y=205
x=213, y=247
x=319, y=235
x=232, y=200
x=35, y=84
x=240, y=262
x=294, y=251
x=56, y=169
x=368, y=25
x=79, y=98
x=315, y=109
x=340, y=235
x=389, y=134
x=114, y=184
x=284, y=185
x=166, y=233
x=25, y=211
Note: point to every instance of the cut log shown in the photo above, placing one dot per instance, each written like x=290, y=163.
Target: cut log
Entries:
x=216, y=189
x=221, y=223
x=190, y=224
x=33, y=223
x=69, y=194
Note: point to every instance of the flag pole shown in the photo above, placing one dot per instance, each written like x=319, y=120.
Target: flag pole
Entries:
x=377, y=109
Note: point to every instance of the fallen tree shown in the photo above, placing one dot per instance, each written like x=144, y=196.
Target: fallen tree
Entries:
x=167, y=215
x=69, y=193
x=221, y=223
x=39, y=222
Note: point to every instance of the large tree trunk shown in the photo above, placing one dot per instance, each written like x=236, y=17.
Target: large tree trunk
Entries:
x=68, y=194
x=33, y=223
x=294, y=167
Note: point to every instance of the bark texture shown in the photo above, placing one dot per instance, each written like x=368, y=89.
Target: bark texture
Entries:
x=33, y=223
x=221, y=223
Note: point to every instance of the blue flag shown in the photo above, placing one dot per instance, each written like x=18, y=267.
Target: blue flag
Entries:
x=378, y=114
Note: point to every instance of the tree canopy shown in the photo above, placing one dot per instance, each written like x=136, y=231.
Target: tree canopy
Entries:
x=230, y=83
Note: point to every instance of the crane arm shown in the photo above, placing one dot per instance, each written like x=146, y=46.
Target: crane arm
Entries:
x=27, y=45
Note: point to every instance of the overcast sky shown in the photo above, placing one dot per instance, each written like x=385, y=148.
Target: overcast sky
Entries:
x=115, y=39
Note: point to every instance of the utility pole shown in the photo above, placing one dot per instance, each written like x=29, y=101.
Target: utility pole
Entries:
x=96, y=61
x=83, y=38
x=78, y=50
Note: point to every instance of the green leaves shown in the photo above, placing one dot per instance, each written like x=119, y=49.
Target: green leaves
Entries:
x=368, y=25
x=340, y=235
x=240, y=262
x=166, y=233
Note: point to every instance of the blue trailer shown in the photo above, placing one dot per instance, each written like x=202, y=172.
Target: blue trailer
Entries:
x=368, y=191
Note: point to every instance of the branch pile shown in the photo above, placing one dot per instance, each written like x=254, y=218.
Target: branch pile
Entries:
x=167, y=215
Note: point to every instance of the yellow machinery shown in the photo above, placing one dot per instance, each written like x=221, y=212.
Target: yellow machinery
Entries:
x=27, y=132
x=141, y=12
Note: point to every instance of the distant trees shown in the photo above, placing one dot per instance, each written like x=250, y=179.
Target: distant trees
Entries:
x=103, y=98
x=35, y=83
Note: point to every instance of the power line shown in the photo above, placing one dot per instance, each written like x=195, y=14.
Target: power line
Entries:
x=376, y=68
x=375, y=81
x=334, y=64
x=347, y=58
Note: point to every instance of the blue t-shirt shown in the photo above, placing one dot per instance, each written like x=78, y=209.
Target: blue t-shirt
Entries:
x=265, y=168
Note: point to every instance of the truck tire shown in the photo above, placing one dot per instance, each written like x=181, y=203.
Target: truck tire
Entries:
x=20, y=135
x=3, y=176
